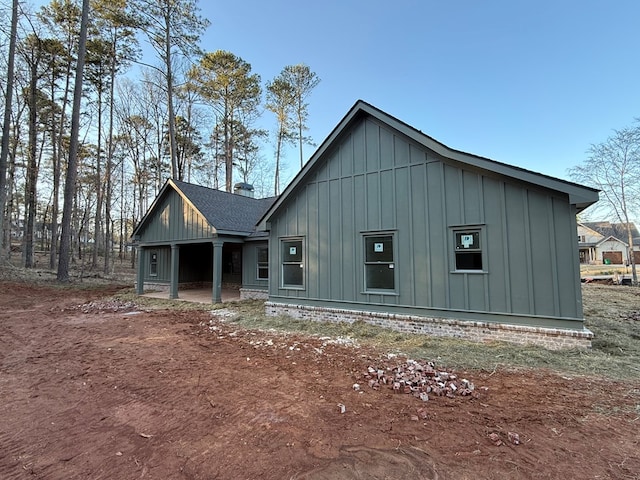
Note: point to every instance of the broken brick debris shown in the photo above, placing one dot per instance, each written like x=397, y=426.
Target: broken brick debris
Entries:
x=106, y=306
x=419, y=379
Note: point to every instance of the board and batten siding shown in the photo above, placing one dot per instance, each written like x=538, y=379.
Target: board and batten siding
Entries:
x=174, y=219
x=375, y=179
x=250, y=265
x=163, y=265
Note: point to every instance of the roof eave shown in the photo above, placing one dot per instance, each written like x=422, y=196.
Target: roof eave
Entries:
x=579, y=195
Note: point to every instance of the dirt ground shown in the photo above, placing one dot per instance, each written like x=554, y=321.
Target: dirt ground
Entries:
x=89, y=391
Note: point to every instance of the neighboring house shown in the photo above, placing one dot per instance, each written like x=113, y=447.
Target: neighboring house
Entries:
x=384, y=224
x=607, y=243
x=194, y=236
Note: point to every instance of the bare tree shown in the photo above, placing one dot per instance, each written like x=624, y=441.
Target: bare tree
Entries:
x=72, y=167
x=613, y=167
x=173, y=27
x=281, y=101
x=6, y=124
x=303, y=81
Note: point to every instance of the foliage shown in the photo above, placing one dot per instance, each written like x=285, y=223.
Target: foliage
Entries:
x=134, y=131
x=225, y=82
x=613, y=167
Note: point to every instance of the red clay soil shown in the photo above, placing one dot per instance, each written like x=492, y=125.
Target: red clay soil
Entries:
x=86, y=392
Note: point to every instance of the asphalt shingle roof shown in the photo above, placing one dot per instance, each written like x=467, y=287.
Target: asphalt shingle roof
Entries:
x=616, y=230
x=226, y=211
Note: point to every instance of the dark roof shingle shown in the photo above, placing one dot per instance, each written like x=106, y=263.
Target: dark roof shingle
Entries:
x=226, y=211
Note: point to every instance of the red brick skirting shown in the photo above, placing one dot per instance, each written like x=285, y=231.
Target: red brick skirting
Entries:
x=550, y=338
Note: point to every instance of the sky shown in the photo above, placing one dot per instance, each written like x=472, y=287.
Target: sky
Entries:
x=528, y=83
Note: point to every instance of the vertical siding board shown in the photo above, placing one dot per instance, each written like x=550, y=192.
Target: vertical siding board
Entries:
x=419, y=233
x=405, y=262
x=320, y=264
x=336, y=246
x=372, y=146
x=312, y=240
x=472, y=199
x=334, y=165
x=416, y=155
x=400, y=151
x=452, y=195
x=565, y=231
x=274, y=258
x=541, y=254
x=359, y=223
x=516, y=254
x=553, y=255
x=302, y=209
x=372, y=205
x=528, y=250
x=386, y=149
x=388, y=197
x=495, y=246
x=348, y=240
x=437, y=235
x=357, y=139
x=346, y=157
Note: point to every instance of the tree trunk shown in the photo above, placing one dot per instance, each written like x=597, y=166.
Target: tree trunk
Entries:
x=72, y=169
x=6, y=126
x=632, y=261
x=97, y=234
x=171, y=113
x=32, y=172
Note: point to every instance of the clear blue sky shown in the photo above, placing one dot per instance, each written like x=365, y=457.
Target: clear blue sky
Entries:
x=530, y=83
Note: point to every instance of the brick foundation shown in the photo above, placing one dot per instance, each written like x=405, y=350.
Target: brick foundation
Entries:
x=253, y=294
x=550, y=338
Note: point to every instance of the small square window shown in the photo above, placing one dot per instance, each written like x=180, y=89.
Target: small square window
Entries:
x=468, y=250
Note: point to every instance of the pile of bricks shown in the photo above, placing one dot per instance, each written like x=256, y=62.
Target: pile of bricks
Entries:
x=419, y=379
x=106, y=306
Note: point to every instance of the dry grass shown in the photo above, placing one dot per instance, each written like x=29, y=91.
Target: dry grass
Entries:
x=612, y=313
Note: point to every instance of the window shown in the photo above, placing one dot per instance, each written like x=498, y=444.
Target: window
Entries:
x=468, y=250
x=262, y=254
x=292, y=265
x=153, y=264
x=379, y=269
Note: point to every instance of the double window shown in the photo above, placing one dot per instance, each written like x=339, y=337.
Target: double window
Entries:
x=379, y=266
x=468, y=249
x=292, y=255
x=262, y=254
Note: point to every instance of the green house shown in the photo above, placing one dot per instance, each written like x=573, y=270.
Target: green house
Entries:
x=385, y=224
x=198, y=237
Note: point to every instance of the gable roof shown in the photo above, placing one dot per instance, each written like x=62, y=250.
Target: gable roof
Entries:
x=611, y=238
x=227, y=212
x=579, y=195
x=615, y=230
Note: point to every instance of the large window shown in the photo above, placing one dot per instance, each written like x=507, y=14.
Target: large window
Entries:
x=379, y=267
x=468, y=250
x=292, y=263
x=262, y=254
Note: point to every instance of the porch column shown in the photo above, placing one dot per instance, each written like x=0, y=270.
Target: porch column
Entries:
x=175, y=270
x=217, y=271
x=140, y=273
